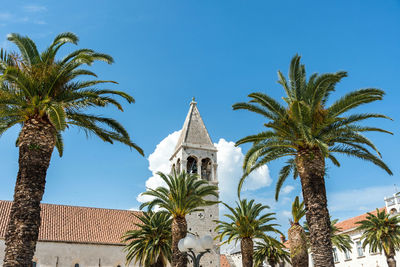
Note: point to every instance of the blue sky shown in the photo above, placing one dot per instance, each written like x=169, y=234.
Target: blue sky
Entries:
x=166, y=52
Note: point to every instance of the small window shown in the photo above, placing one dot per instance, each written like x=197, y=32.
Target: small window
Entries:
x=347, y=255
x=335, y=255
x=360, y=250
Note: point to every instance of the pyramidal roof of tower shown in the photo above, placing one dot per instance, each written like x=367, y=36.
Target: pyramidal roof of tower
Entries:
x=194, y=133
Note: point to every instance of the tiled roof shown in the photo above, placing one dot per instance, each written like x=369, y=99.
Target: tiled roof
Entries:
x=351, y=223
x=223, y=261
x=73, y=224
x=345, y=225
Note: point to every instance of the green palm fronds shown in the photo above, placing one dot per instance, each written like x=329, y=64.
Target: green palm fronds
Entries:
x=305, y=122
x=271, y=250
x=45, y=87
x=381, y=231
x=184, y=193
x=246, y=220
x=151, y=241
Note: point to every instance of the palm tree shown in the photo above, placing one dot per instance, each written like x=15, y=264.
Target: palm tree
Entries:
x=47, y=95
x=271, y=250
x=184, y=193
x=307, y=131
x=381, y=232
x=340, y=240
x=297, y=236
x=150, y=243
x=246, y=223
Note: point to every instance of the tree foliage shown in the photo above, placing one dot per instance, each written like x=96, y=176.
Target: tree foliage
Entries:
x=381, y=231
x=306, y=122
x=45, y=87
x=151, y=241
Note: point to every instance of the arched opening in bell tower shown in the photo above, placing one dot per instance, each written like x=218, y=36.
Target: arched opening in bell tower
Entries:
x=191, y=166
x=206, y=169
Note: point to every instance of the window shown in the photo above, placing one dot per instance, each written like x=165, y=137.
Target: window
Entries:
x=347, y=255
x=335, y=255
x=360, y=250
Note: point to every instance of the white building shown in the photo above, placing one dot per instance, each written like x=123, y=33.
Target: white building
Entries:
x=359, y=256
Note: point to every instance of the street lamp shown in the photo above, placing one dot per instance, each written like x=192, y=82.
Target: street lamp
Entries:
x=192, y=245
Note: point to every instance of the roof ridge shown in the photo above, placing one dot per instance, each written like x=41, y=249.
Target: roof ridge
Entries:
x=82, y=207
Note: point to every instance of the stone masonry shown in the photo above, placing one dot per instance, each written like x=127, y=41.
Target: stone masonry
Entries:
x=195, y=153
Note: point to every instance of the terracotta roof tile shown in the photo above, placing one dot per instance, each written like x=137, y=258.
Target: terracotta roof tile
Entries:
x=223, y=261
x=351, y=223
x=62, y=223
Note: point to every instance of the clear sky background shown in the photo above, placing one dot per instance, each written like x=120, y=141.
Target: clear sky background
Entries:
x=166, y=52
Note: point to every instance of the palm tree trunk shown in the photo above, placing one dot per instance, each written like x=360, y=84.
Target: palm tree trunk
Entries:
x=310, y=164
x=36, y=144
x=271, y=262
x=247, y=247
x=391, y=261
x=159, y=262
x=179, y=229
x=298, y=246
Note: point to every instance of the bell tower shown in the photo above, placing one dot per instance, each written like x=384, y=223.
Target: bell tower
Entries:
x=196, y=153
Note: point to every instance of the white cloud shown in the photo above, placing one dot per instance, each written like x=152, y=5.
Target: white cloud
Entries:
x=34, y=8
x=230, y=160
x=287, y=189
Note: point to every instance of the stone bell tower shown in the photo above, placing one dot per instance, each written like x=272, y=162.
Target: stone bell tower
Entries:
x=196, y=153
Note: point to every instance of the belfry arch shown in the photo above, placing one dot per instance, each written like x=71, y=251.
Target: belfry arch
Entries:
x=206, y=169
x=191, y=166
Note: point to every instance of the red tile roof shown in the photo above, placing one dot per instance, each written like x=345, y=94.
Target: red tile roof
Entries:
x=351, y=223
x=223, y=261
x=345, y=225
x=73, y=224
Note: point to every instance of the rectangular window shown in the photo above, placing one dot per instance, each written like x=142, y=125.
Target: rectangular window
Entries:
x=347, y=255
x=360, y=250
x=335, y=255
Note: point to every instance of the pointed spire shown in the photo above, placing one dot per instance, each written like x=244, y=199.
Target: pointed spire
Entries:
x=194, y=133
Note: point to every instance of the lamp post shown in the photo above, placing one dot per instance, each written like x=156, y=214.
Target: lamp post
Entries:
x=192, y=245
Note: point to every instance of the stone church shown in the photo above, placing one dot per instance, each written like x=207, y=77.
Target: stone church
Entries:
x=72, y=236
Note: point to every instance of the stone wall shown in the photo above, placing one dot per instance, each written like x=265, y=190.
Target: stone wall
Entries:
x=55, y=254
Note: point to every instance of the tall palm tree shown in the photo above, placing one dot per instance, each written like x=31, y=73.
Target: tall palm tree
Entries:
x=307, y=131
x=246, y=223
x=297, y=236
x=381, y=232
x=271, y=250
x=46, y=95
x=184, y=193
x=150, y=243
x=340, y=240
